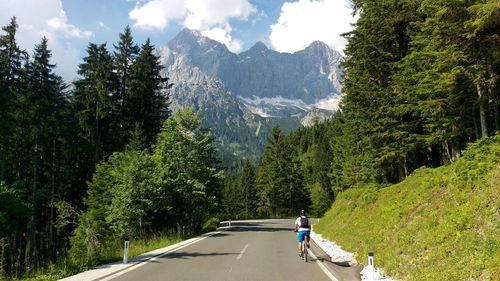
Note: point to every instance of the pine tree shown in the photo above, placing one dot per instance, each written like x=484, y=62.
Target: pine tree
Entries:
x=95, y=104
x=483, y=49
x=379, y=41
x=124, y=57
x=232, y=199
x=10, y=71
x=280, y=178
x=248, y=190
x=147, y=98
x=45, y=101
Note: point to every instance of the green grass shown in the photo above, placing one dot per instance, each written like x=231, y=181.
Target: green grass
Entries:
x=438, y=224
x=113, y=253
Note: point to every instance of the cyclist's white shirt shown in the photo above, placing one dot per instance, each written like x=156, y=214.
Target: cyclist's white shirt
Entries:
x=297, y=222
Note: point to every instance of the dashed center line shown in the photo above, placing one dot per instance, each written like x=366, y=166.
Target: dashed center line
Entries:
x=242, y=252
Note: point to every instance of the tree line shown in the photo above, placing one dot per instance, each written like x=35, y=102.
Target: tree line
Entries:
x=98, y=158
x=292, y=174
x=420, y=83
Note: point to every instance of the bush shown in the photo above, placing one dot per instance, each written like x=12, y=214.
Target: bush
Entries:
x=211, y=224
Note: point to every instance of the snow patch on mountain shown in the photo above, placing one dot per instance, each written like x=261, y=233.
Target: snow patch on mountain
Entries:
x=258, y=110
x=263, y=106
x=276, y=101
x=330, y=104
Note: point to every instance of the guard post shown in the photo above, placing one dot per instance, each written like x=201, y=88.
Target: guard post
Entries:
x=371, y=266
x=125, y=252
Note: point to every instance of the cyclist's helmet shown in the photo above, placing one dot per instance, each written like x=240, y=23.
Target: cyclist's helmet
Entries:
x=302, y=212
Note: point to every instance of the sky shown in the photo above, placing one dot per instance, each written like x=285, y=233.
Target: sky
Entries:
x=69, y=25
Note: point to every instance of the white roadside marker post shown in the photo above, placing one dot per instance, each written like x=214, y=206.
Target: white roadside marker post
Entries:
x=371, y=267
x=125, y=252
x=229, y=222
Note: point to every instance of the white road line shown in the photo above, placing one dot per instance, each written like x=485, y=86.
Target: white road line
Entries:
x=155, y=258
x=322, y=266
x=242, y=252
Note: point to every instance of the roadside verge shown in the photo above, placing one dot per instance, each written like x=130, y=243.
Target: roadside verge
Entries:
x=112, y=270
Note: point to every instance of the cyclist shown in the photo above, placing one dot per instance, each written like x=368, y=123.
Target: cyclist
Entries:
x=303, y=229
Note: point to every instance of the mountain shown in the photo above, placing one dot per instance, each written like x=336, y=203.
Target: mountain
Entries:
x=241, y=96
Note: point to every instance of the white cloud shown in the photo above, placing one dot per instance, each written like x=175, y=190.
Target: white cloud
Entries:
x=211, y=17
x=223, y=35
x=46, y=18
x=102, y=25
x=59, y=24
x=305, y=21
x=156, y=14
x=203, y=14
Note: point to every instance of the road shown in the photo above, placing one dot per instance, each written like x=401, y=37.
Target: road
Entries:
x=261, y=250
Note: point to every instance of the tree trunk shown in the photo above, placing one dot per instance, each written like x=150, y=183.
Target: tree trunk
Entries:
x=96, y=152
x=497, y=117
x=52, y=190
x=446, y=152
x=2, y=164
x=495, y=103
x=482, y=111
x=403, y=168
x=455, y=152
x=32, y=253
x=476, y=128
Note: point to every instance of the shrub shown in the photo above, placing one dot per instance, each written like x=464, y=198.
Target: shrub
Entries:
x=211, y=224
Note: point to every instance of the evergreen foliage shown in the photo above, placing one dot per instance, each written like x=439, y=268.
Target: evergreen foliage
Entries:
x=53, y=138
x=147, y=104
x=420, y=82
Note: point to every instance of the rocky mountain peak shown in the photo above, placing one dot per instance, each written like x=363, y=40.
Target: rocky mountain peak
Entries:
x=320, y=49
x=281, y=84
x=259, y=46
x=189, y=39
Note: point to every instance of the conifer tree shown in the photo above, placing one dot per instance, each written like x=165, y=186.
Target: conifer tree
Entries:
x=378, y=42
x=37, y=107
x=248, y=190
x=124, y=57
x=10, y=71
x=95, y=104
x=280, y=177
x=147, y=98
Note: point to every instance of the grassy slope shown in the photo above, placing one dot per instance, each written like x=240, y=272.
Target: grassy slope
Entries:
x=438, y=224
x=67, y=268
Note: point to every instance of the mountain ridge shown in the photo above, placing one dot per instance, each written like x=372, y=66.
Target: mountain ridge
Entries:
x=241, y=96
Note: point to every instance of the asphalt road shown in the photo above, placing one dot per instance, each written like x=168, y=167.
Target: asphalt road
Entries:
x=265, y=250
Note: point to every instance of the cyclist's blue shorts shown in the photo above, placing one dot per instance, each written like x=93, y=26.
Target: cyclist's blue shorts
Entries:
x=302, y=234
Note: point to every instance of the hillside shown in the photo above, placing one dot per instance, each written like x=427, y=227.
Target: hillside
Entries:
x=438, y=224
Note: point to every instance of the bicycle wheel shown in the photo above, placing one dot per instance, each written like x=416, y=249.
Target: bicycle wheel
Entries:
x=304, y=249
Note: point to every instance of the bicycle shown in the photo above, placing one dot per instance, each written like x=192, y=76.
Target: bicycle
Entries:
x=304, y=248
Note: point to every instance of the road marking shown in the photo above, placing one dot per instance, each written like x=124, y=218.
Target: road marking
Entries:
x=155, y=258
x=242, y=252
x=322, y=266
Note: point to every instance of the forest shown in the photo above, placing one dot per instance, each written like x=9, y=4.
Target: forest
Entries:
x=103, y=157
x=420, y=83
